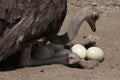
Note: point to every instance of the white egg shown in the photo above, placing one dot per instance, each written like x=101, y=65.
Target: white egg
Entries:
x=80, y=50
x=95, y=53
x=62, y=52
x=56, y=47
x=42, y=52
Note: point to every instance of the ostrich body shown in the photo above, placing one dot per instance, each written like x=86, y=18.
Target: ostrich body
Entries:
x=22, y=22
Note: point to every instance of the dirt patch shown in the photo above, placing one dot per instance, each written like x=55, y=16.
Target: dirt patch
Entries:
x=107, y=38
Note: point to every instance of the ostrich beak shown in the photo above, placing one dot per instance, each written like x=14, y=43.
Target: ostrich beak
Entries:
x=92, y=21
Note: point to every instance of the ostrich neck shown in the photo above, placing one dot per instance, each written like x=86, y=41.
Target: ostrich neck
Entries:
x=72, y=31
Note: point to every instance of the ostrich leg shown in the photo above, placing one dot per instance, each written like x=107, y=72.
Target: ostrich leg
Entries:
x=27, y=60
x=25, y=57
x=68, y=59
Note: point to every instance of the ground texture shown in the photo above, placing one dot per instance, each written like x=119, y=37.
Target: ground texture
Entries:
x=107, y=37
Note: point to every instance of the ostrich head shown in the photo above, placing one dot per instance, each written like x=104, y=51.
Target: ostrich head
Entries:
x=87, y=13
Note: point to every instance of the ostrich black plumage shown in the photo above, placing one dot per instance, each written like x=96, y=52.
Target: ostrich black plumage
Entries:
x=22, y=22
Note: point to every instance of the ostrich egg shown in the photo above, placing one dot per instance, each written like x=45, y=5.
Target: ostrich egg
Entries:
x=80, y=50
x=95, y=53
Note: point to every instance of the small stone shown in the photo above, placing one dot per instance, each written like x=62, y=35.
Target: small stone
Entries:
x=93, y=37
x=94, y=4
x=42, y=70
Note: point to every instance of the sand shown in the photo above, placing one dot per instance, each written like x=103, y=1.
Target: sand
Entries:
x=107, y=37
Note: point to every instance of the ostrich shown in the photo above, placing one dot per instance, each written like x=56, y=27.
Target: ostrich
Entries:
x=22, y=22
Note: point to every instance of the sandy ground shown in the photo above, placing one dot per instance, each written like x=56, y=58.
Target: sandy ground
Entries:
x=107, y=37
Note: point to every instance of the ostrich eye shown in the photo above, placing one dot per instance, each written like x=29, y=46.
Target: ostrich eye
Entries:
x=96, y=16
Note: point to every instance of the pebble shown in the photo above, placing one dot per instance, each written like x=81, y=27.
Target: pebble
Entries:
x=94, y=4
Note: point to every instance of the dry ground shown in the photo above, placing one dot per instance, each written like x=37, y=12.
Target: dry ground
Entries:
x=107, y=37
